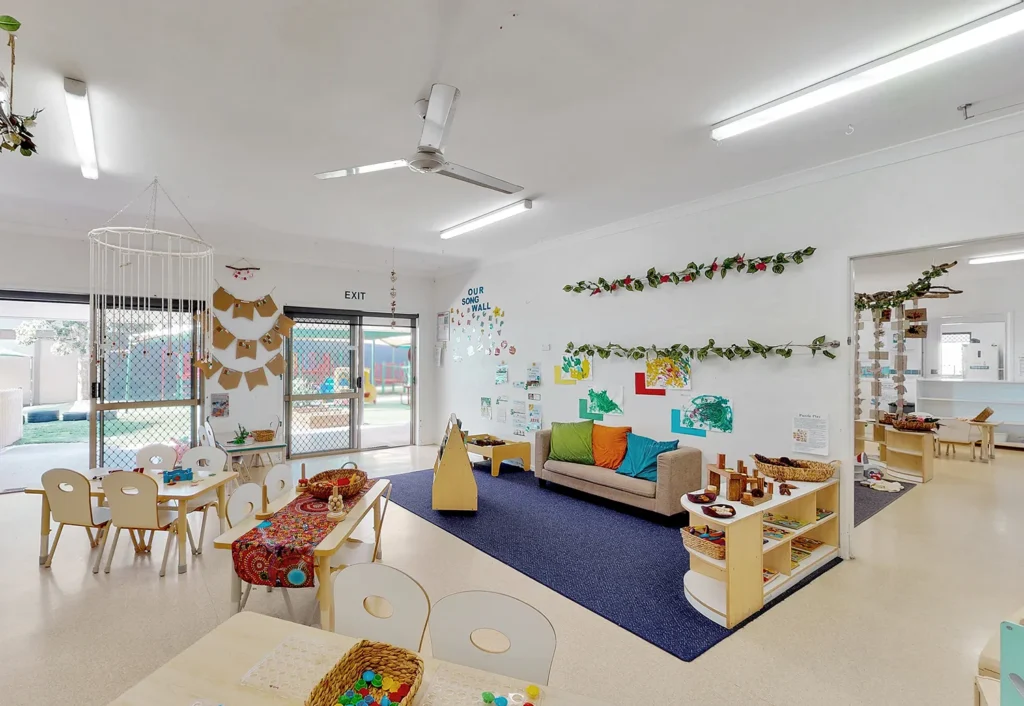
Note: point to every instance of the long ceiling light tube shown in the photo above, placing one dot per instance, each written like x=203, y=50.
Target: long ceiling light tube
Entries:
x=488, y=218
x=957, y=41
x=77, y=97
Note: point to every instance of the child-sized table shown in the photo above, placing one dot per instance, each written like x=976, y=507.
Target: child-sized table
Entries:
x=500, y=452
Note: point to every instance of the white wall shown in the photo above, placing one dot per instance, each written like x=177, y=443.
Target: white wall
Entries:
x=61, y=265
x=957, y=193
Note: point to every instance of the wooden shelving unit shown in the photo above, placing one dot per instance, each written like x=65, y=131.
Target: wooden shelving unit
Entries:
x=731, y=590
x=909, y=455
x=866, y=430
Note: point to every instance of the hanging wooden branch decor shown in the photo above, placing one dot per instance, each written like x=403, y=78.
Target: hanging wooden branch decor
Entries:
x=921, y=289
x=14, y=128
x=693, y=272
x=857, y=401
x=678, y=350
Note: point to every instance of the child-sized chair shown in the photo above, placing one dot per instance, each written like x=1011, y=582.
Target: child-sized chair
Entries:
x=360, y=586
x=456, y=620
x=279, y=481
x=953, y=433
x=210, y=460
x=67, y=492
x=133, y=501
x=156, y=457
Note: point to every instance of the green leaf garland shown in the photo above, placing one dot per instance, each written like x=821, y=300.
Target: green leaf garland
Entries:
x=679, y=350
x=692, y=272
x=916, y=290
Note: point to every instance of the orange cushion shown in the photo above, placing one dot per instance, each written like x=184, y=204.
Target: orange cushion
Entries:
x=609, y=445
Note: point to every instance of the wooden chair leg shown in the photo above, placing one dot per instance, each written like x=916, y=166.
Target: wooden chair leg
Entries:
x=92, y=542
x=245, y=596
x=53, y=549
x=202, y=531
x=288, y=605
x=113, y=548
x=171, y=537
x=191, y=542
x=135, y=542
x=102, y=541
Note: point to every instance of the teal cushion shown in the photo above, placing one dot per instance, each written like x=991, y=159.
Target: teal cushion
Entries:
x=642, y=456
x=573, y=442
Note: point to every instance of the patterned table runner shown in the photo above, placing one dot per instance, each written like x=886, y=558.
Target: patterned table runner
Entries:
x=279, y=551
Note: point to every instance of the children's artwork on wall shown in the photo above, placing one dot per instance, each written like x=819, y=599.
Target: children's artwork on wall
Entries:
x=709, y=413
x=535, y=418
x=576, y=368
x=584, y=414
x=501, y=375
x=533, y=375
x=668, y=373
x=640, y=386
x=559, y=377
x=485, y=407
x=678, y=428
x=220, y=404
x=607, y=400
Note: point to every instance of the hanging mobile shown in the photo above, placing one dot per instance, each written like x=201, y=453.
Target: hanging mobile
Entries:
x=243, y=269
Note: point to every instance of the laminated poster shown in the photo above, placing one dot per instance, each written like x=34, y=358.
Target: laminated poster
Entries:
x=501, y=375
x=485, y=407
x=533, y=375
x=535, y=418
x=220, y=404
x=519, y=418
x=810, y=434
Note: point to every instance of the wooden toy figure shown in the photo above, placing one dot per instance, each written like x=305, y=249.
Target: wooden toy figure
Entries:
x=336, y=506
x=303, y=482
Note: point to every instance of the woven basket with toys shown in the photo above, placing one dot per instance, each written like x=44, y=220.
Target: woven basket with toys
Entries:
x=370, y=669
x=349, y=481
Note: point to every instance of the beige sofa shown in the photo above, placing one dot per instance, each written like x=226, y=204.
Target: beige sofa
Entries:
x=679, y=472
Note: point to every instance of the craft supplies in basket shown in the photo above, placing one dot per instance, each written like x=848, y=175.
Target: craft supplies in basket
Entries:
x=262, y=436
x=709, y=542
x=795, y=469
x=349, y=481
x=393, y=672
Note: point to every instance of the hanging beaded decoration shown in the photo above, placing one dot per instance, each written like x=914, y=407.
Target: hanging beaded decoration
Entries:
x=394, y=292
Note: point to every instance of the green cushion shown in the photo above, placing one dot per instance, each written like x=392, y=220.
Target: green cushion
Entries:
x=573, y=442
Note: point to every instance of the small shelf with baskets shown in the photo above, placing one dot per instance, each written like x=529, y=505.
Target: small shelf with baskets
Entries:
x=729, y=590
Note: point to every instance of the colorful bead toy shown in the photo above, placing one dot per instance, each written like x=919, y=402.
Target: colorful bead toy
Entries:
x=359, y=694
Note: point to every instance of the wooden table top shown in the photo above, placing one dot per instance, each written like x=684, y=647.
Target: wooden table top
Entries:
x=213, y=668
x=331, y=542
x=182, y=490
x=252, y=447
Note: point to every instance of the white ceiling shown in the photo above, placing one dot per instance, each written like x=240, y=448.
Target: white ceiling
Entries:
x=599, y=108
x=898, y=270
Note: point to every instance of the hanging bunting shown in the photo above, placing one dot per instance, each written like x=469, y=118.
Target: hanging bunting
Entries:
x=276, y=365
x=271, y=340
x=211, y=367
x=245, y=349
x=229, y=379
x=243, y=310
x=266, y=307
x=222, y=300
x=256, y=378
x=222, y=338
x=283, y=325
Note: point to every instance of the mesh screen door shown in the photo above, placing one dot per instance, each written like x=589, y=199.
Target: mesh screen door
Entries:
x=322, y=387
x=147, y=390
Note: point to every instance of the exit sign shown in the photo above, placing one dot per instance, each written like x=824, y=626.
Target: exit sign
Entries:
x=349, y=294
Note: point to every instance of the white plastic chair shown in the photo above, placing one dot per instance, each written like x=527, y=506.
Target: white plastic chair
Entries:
x=211, y=438
x=211, y=460
x=278, y=481
x=242, y=505
x=67, y=492
x=132, y=498
x=156, y=457
x=455, y=618
x=359, y=583
x=953, y=433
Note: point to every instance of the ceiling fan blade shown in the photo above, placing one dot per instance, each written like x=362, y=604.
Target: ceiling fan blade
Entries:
x=366, y=169
x=457, y=171
x=440, y=112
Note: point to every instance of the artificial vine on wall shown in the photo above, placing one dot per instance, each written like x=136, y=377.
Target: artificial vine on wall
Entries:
x=921, y=289
x=679, y=350
x=693, y=272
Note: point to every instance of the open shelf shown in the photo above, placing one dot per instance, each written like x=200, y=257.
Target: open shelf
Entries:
x=780, y=583
x=907, y=452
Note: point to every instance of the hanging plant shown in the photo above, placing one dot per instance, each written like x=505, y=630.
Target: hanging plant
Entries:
x=680, y=350
x=921, y=289
x=693, y=272
x=14, y=128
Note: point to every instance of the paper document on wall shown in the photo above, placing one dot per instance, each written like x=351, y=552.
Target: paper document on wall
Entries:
x=810, y=434
x=518, y=418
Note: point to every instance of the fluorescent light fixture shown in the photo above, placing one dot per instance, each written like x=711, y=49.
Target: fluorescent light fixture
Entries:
x=989, y=259
x=81, y=126
x=352, y=171
x=488, y=218
x=957, y=41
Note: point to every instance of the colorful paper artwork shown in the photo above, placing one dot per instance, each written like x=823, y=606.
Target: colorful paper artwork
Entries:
x=559, y=380
x=668, y=373
x=576, y=368
x=535, y=417
x=708, y=413
x=640, y=386
x=220, y=404
x=605, y=400
x=584, y=414
x=678, y=428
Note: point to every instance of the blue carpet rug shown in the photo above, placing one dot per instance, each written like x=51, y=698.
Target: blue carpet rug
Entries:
x=626, y=568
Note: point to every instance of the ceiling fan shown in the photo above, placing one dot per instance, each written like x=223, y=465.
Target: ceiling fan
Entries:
x=437, y=113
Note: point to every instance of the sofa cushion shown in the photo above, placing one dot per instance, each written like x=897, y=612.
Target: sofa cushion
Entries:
x=610, y=445
x=573, y=442
x=641, y=459
x=603, y=476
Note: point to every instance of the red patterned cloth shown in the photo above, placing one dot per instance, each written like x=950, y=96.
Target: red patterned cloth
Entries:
x=281, y=554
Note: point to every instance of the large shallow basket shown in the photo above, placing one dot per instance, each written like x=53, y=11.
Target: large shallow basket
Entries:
x=699, y=544
x=322, y=484
x=914, y=425
x=262, y=435
x=808, y=471
x=378, y=657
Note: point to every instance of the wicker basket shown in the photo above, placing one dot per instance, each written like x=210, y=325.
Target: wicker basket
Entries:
x=262, y=435
x=322, y=484
x=809, y=471
x=698, y=544
x=389, y=661
x=913, y=425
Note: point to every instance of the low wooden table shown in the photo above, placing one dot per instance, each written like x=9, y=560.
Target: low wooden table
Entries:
x=212, y=669
x=252, y=453
x=988, y=436
x=501, y=452
x=180, y=492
